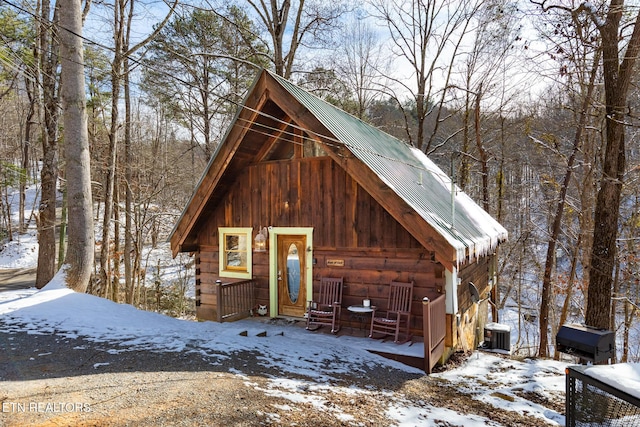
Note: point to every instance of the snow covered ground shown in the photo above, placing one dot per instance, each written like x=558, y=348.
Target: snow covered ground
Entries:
x=489, y=378
x=58, y=310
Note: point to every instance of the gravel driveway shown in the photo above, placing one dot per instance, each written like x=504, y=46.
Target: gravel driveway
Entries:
x=47, y=380
x=54, y=380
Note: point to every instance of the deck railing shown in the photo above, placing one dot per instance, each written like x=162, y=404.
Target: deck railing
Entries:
x=594, y=402
x=434, y=330
x=235, y=300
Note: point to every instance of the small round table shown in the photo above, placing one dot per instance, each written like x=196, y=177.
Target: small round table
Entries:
x=361, y=313
x=361, y=309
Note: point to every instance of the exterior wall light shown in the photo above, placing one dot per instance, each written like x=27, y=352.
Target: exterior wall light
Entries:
x=261, y=240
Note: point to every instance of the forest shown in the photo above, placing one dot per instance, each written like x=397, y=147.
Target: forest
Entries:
x=529, y=105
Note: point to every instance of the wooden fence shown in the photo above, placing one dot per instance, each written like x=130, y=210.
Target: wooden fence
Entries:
x=434, y=329
x=235, y=300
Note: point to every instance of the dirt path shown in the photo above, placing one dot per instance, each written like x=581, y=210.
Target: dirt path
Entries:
x=17, y=278
x=47, y=380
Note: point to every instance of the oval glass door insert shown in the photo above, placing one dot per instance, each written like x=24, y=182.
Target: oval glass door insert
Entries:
x=293, y=273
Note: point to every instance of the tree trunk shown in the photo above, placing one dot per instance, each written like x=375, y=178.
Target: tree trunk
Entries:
x=114, y=285
x=614, y=305
x=116, y=69
x=49, y=173
x=62, y=232
x=629, y=314
x=617, y=76
x=26, y=147
x=128, y=202
x=564, y=313
x=465, y=168
x=80, y=251
x=557, y=220
x=484, y=156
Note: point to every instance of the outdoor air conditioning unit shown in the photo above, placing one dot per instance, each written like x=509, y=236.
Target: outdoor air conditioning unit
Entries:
x=497, y=336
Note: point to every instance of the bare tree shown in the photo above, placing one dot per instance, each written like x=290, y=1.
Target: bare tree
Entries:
x=575, y=55
x=360, y=63
x=427, y=36
x=618, y=68
x=48, y=47
x=487, y=82
x=308, y=23
x=79, y=257
x=545, y=298
x=122, y=19
x=620, y=48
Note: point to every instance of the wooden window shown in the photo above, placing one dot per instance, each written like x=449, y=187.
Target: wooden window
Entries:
x=235, y=252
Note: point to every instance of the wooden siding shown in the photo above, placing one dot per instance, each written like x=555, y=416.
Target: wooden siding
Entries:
x=478, y=273
x=473, y=316
x=312, y=192
x=348, y=224
x=366, y=274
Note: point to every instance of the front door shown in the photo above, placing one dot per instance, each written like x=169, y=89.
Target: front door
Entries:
x=292, y=278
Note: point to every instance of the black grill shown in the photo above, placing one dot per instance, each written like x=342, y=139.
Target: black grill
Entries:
x=595, y=345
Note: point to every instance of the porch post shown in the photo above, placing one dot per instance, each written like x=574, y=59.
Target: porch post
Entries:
x=426, y=331
x=219, y=300
x=451, y=290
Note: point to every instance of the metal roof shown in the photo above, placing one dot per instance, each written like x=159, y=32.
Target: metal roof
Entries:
x=468, y=228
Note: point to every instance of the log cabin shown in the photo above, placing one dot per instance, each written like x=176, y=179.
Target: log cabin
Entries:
x=299, y=190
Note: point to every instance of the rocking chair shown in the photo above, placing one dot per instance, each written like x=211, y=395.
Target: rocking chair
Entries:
x=326, y=309
x=397, y=318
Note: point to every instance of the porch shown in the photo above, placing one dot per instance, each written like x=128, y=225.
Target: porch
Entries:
x=236, y=301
